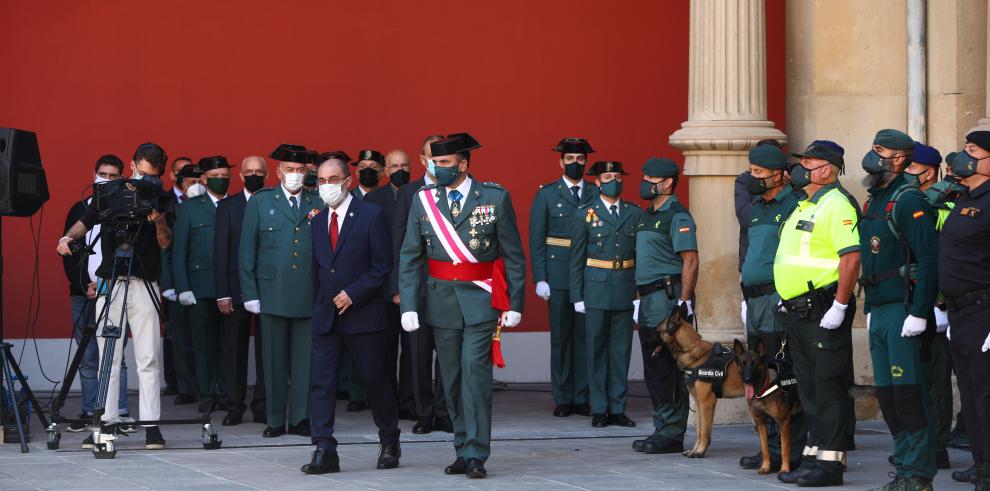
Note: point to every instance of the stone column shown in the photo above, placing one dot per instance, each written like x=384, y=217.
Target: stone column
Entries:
x=727, y=115
x=984, y=123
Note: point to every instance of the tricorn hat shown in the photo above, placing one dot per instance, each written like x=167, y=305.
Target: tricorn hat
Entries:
x=454, y=143
x=573, y=145
x=291, y=153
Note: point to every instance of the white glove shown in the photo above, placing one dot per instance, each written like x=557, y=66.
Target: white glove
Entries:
x=253, y=306
x=742, y=311
x=986, y=344
x=690, y=307
x=867, y=322
x=543, y=290
x=579, y=307
x=913, y=326
x=169, y=295
x=941, y=320
x=511, y=319
x=410, y=321
x=636, y=311
x=187, y=298
x=833, y=318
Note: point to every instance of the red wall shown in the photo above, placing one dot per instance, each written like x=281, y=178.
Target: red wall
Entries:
x=239, y=77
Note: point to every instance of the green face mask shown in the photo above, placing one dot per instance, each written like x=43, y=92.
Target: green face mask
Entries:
x=218, y=185
x=612, y=188
x=310, y=180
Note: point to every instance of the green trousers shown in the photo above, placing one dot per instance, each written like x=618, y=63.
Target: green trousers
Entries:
x=465, y=357
x=940, y=389
x=568, y=351
x=182, y=346
x=901, y=381
x=608, y=348
x=205, y=331
x=761, y=323
x=664, y=381
x=285, y=349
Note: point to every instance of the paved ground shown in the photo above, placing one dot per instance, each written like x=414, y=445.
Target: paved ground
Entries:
x=532, y=450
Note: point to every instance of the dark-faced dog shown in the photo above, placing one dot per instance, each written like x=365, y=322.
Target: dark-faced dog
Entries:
x=766, y=401
x=690, y=351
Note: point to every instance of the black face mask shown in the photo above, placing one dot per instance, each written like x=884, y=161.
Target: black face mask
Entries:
x=574, y=170
x=254, y=183
x=310, y=180
x=399, y=177
x=757, y=185
x=368, y=177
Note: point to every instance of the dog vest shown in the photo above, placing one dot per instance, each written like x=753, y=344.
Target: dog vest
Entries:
x=713, y=369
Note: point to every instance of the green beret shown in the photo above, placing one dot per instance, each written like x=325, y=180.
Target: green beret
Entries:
x=768, y=157
x=897, y=140
x=660, y=167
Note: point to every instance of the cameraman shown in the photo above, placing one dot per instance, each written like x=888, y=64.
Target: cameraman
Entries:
x=141, y=316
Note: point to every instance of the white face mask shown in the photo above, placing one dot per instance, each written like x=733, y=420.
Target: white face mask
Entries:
x=195, y=190
x=293, y=181
x=333, y=194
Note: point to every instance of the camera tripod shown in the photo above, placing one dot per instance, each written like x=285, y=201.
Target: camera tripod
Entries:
x=103, y=443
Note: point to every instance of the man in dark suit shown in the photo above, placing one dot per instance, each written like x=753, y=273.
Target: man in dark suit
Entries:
x=431, y=406
x=235, y=321
x=352, y=257
x=397, y=169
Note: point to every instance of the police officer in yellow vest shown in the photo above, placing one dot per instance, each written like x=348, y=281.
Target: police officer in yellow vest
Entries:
x=814, y=272
x=603, y=287
x=551, y=222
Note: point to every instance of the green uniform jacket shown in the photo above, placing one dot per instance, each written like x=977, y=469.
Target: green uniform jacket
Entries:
x=167, y=282
x=599, y=236
x=552, y=215
x=192, y=247
x=882, y=251
x=496, y=233
x=763, y=234
x=275, y=259
x=663, y=235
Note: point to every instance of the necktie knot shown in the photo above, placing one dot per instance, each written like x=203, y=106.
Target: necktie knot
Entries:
x=574, y=191
x=456, y=195
x=613, y=210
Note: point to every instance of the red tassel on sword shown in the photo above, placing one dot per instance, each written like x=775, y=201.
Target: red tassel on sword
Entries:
x=500, y=302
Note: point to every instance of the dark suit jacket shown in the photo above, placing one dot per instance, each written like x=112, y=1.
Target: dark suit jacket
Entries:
x=400, y=213
x=75, y=265
x=384, y=197
x=359, y=266
x=226, y=243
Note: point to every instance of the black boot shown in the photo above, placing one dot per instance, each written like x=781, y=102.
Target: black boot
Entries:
x=824, y=474
x=965, y=475
x=807, y=463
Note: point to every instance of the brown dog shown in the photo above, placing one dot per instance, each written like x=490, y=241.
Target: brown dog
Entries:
x=690, y=351
x=778, y=404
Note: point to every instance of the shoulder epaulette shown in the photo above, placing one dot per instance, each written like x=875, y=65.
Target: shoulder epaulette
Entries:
x=549, y=184
x=263, y=190
x=493, y=185
x=427, y=186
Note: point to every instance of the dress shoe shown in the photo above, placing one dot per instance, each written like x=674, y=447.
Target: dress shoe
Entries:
x=599, y=420
x=355, y=406
x=423, y=426
x=458, y=467
x=821, y=476
x=233, y=418
x=323, y=461
x=273, y=432
x=475, y=469
x=183, y=399
x=582, y=409
x=640, y=445
x=443, y=424
x=620, y=420
x=966, y=475
x=388, y=456
x=562, y=410
x=663, y=445
x=301, y=429
x=942, y=459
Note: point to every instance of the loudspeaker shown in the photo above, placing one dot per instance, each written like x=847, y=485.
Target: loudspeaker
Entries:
x=23, y=186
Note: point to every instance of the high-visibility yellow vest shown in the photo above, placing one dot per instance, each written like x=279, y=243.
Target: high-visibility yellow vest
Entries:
x=811, y=240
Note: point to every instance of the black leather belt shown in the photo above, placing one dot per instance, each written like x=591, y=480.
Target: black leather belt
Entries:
x=975, y=297
x=813, y=304
x=874, y=280
x=666, y=283
x=754, y=291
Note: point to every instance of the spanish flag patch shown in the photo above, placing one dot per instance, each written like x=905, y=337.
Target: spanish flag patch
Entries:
x=847, y=222
x=918, y=214
x=684, y=229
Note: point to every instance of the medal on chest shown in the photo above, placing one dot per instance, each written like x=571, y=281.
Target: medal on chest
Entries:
x=592, y=218
x=875, y=244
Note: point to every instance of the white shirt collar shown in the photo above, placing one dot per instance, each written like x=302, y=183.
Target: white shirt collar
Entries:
x=341, y=211
x=569, y=184
x=618, y=203
x=288, y=195
x=247, y=195
x=214, y=200
x=178, y=192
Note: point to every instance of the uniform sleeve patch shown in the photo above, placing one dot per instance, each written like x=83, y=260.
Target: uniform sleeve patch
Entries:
x=918, y=214
x=848, y=222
